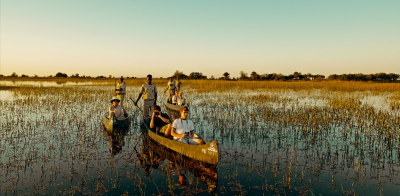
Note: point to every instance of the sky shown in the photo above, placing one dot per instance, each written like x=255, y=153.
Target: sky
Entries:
x=136, y=38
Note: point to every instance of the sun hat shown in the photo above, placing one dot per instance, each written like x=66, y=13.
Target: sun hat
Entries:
x=184, y=108
x=115, y=98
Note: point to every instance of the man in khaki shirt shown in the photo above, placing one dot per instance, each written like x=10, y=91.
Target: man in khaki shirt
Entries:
x=148, y=92
x=121, y=91
x=171, y=87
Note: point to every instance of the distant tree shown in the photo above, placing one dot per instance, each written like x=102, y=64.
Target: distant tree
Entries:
x=14, y=74
x=35, y=76
x=50, y=76
x=23, y=75
x=254, y=75
x=212, y=77
x=179, y=74
x=109, y=76
x=226, y=75
x=59, y=74
x=243, y=75
x=1, y=75
x=100, y=77
x=197, y=75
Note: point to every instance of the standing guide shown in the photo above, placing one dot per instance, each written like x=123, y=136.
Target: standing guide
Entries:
x=178, y=86
x=121, y=91
x=149, y=93
x=171, y=87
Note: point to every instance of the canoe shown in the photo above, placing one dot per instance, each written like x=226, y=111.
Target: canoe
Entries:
x=111, y=125
x=175, y=108
x=206, y=173
x=207, y=153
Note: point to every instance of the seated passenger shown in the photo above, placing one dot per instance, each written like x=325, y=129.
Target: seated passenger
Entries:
x=181, y=100
x=159, y=120
x=115, y=109
x=183, y=129
x=175, y=98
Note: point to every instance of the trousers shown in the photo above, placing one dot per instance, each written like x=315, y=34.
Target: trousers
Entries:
x=147, y=108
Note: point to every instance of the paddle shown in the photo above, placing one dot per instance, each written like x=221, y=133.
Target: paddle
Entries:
x=134, y=103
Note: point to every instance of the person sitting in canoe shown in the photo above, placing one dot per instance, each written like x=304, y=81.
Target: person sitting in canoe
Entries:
x=115, y=109
x=183, y=129
x=181, y=100
x=159, y=119
x=175, y=98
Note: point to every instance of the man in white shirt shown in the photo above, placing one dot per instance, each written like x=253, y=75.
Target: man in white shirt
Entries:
x=181, y=100
x=121, y=91
x=183, y=129
x=171, y=87
x=148, y=92
x=175, y=98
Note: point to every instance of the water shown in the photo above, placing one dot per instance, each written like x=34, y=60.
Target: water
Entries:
x=291, y=143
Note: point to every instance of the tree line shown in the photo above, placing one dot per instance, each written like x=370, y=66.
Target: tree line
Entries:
x=254, y=76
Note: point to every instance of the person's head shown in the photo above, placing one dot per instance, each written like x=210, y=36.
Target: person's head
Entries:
x=180, y=94
x=184, y=112
x=170, y=79
x=121, y=79
x=115, y=101
x=149, y=78
x=156, y=108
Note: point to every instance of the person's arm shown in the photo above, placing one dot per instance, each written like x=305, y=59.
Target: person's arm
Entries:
x=140, y=95
x=155, y=94
x=166, y=120
x=173, y=133
x=152, y=121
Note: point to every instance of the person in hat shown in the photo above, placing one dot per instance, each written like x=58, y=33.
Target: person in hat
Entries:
x=181, y=100
x=183, y=129
x=115, y=109
x=121, y=90
x=148, y=92
x=171, y=87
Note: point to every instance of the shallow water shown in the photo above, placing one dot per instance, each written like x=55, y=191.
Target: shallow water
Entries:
x=293, y=143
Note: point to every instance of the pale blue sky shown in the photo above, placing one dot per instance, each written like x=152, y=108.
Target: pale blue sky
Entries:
x=134, y=38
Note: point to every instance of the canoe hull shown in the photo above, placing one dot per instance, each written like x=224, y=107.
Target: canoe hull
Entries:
x=207, y=153
x=175, y=108
x=111, y=126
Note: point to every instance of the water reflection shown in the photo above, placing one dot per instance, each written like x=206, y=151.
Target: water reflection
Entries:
x=154, y=155
x=47, y=83
x=116, y=139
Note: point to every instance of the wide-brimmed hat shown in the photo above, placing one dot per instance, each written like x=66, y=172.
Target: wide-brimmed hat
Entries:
x=115, y=98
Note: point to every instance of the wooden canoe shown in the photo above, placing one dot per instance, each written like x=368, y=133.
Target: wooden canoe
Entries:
x=175, y=108
x=206, y=173
x=207, y=153
x=111, y=125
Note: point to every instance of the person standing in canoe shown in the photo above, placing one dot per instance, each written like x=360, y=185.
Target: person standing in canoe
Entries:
x=115, y=109
x=183, y=129
x=121, y=91
x=171, y=87
x=178, y=86
x=149, y=93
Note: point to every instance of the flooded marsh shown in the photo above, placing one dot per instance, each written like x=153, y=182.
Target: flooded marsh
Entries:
x=271, y=141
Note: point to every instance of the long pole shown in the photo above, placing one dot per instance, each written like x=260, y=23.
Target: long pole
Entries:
x=136, y=105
